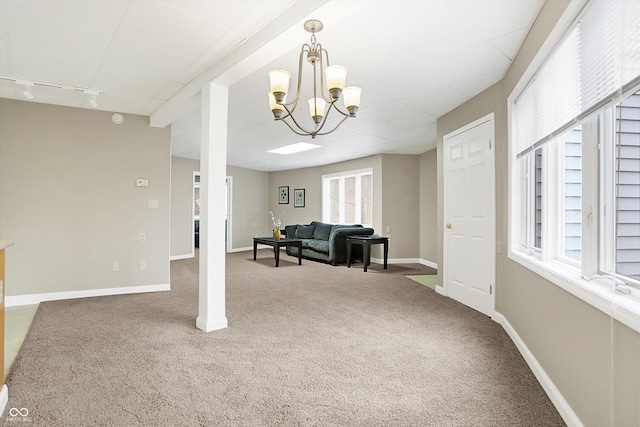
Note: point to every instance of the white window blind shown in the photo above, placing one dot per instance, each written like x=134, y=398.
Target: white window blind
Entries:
x=594, y=65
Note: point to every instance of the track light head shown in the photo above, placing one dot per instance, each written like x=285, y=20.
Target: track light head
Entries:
x=92, y=101
x=27, y=93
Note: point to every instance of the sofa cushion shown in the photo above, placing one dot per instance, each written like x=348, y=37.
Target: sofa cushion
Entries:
x=319, y=245
x=322, y=231
x=305, y=231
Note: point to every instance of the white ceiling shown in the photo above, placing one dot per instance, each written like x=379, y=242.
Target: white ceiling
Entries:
x=414, y=59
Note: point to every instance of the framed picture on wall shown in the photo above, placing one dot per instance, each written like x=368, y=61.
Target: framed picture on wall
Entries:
x=298, y=198
x=283, y=197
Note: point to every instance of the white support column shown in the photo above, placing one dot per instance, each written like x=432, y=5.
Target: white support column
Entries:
x=213, y=173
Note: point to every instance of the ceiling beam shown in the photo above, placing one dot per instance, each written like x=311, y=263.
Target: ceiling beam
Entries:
x=262, y=47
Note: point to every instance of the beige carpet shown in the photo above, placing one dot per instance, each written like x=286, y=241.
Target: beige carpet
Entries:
x=310, y=345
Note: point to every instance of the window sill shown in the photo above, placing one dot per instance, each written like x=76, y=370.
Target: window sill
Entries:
x=623, y=308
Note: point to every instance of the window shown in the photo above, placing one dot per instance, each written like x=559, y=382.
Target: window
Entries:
x=574, y=192
x=347, y=197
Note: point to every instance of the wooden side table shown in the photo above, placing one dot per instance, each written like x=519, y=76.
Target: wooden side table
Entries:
x=366, y=242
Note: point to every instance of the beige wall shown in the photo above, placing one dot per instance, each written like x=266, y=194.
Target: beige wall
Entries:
x=68, y=198
x=570, y=339
x=182, y=232
x=250, y=208
x=401, y=205
x=311, y=180
x=396, y=198
x=428, y=207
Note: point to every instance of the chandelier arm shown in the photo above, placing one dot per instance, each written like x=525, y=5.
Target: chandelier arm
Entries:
x=336, y=127
x=294, y=103
x=322, y=67
x=295, y=122
x=340, y=111
x=303, y=133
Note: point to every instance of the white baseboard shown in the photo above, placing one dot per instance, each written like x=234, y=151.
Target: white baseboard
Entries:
x=406, y=261
x=177, y=257
x=552, y=391
x=4, y=398
x=440, y=290
x=16, y=300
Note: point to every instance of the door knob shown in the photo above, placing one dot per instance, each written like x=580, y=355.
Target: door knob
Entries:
x=449, y=225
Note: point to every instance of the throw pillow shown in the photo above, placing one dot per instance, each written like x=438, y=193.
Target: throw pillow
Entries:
x=305, y=231
x=322, y=231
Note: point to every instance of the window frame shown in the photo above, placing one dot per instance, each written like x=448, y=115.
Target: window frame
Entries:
x=600, y=290
x=326, y=195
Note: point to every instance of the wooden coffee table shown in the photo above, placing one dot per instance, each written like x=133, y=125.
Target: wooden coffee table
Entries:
x=277, y=244
x=366, y=242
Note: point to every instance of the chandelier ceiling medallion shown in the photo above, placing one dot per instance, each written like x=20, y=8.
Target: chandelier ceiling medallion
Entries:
x=332, y=80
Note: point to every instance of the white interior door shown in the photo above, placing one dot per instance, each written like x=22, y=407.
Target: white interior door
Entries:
x=469, y=215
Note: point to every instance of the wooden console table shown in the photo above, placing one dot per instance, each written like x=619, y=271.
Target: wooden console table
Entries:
x=366, y=242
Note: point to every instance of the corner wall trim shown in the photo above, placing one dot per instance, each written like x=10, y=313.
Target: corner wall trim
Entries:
x=29, y=299
x=549, y=387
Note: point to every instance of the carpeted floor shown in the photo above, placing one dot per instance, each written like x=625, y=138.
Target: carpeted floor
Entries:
x=306, y=345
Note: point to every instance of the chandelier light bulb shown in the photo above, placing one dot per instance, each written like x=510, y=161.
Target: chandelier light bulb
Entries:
x=276, y=108
x=279, y=83
x=352, y=99
x=316, y=109
x=335, y=76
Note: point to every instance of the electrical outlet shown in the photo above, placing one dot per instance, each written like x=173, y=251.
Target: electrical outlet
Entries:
x=143, y=237
x=116, y=266
x=388, y=229
x=498, y=248
x=142, y=182
x=153, y=203
x=143, y=265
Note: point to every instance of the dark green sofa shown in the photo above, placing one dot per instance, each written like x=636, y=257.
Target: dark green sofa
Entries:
x=325, y=242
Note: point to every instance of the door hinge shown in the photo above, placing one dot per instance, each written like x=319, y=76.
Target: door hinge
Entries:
x=490, y=289
x=490, y=144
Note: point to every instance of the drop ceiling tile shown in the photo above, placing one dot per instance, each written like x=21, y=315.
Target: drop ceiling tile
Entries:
x=168, y=28
x=123, y=82
x=143, y=59
x=496, y=18
x=31, y=29
x=48, y=66
x=510, y=43
x=96, y=14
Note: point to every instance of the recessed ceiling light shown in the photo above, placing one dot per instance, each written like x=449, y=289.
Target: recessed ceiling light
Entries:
x=294, y=148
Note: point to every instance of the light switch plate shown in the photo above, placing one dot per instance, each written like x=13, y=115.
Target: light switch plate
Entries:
x=142, y=182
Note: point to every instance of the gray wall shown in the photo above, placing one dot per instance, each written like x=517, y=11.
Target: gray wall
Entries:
x=68, y=198
x=594, y=362
x=428, y=206
x=182, y=169
x=250, y=207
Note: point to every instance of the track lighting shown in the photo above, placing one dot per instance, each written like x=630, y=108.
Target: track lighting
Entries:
x=92, y=101
x=27, y=91
x=28, y=95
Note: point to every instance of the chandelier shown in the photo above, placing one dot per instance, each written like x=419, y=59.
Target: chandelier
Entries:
x=332, y=85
